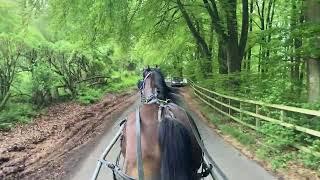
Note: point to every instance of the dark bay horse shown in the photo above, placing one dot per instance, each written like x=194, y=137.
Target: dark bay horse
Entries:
x=163, y=91
x=168, y=146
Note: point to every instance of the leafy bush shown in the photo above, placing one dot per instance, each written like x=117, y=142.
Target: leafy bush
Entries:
x=89, y=95
x=120, y=84
x=276, y=136
x=44, y=81
x=310, y=160
x=277, y=142
x=281, y=160
x=238, y=134
x=272, y=88
x=16, y=113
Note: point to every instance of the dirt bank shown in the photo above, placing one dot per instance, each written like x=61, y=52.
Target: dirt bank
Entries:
x=43, y=149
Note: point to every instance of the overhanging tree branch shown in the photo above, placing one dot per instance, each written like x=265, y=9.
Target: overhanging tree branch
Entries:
x=215, y=19
x=203, y=45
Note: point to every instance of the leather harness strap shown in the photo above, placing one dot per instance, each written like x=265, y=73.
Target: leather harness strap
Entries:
x=139, y=149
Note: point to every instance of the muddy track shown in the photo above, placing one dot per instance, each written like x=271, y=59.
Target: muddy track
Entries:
x=41, y=149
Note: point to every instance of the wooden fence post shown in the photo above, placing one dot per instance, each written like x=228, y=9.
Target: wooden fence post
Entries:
x=282, y=115
x=241, y=115
x=257, y=119
x=229, y=107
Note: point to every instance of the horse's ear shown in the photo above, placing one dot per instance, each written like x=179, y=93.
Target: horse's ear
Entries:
x=148, y=68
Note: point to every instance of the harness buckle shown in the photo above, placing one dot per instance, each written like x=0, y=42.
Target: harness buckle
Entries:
x=205, y=170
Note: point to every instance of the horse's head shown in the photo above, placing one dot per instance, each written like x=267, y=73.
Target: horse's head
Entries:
x=153, y=85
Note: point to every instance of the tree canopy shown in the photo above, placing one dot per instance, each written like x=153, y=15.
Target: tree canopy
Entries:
x=51, y=50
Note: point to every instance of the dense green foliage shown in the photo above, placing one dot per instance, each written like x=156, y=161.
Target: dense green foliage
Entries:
x=46, y=58
x=266, y=50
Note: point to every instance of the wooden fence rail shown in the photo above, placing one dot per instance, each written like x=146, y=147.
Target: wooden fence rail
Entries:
x=225, y=105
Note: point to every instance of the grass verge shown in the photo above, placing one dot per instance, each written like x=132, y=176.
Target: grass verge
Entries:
x=275, y=152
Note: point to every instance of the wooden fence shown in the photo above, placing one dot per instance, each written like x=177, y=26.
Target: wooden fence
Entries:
x=240, y=110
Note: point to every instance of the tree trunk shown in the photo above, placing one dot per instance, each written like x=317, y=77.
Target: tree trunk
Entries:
x=4, y=101
x=235, y=50
x=244, y=28
x=222, y=58
x=313, y=63
x=248, y=62
x=262, y=28
x=269, y=22
x=313, y=71
x=297, y=18
x=233, y=57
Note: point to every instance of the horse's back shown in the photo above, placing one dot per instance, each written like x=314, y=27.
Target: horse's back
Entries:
x=150, y=139
x=149, y=142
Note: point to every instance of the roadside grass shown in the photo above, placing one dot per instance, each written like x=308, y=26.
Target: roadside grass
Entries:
x=16, y=113
x=238, y=134
x=276, y=150
x=89, y=96
x=246, y=137
x=228, y=127
x=92, y=95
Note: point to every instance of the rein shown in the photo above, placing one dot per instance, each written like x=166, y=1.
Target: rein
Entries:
x=117, y=172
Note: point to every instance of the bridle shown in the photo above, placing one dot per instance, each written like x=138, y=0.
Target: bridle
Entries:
x=154, y=94
x=117, y=172
x=153, y=98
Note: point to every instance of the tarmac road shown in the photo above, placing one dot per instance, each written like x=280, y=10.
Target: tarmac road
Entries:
x=235, y=165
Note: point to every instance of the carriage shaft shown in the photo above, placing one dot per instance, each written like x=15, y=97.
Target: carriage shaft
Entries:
x=106, y=152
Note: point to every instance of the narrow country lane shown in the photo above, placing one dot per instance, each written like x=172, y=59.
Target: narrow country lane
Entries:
x=69, y=73
x=235, y=165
